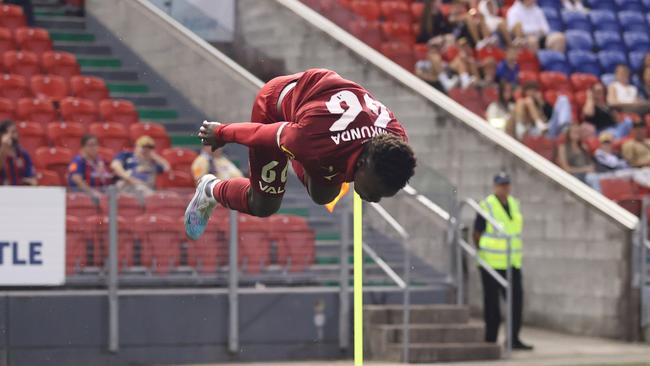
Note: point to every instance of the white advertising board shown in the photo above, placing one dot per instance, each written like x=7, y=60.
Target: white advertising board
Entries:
x=32, y=236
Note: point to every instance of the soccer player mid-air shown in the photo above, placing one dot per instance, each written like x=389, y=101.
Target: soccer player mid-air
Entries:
x=331, y=129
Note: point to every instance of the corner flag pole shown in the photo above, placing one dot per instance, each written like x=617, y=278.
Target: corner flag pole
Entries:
x=358, y=279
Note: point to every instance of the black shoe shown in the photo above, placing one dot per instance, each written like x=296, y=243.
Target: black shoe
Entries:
x=521, y=346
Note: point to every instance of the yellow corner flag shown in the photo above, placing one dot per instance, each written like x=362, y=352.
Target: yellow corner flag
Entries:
x=345, y=187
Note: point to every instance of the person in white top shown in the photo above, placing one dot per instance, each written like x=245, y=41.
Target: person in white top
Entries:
x=620, y=91
x=494, y=23
x=574, y=5
x=527, y=20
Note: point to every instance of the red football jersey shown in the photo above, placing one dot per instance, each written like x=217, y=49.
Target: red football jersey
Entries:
x=330, y=120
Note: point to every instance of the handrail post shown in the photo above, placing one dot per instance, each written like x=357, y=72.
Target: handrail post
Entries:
x=113, y=300
x=406, y=314
x=344, y=277
x=509, y=316
x=642, y=261
x=233, y=284
x=458, y=255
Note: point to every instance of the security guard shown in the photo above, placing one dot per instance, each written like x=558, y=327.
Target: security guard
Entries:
x=492, y=249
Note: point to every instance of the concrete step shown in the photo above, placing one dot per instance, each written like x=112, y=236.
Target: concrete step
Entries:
x=98, y=62
x=444, y=352
x=61, y=22
x=83, y=48
x=142, y=100
x=111, y=74
x=438, y=314
x=127, y=88
x=71, y=35
x=436, y=333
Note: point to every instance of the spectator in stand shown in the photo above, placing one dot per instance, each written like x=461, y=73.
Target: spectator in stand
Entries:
x=508, y=69
x=620, y=91
x=527, y=21
x=433, y=23
x=488, y=72
x=605, y=158
x=213, y=162
x=644, y=89
x=598, y=113
x=574, y=5
x=499, y=113
x=137, y=170
x=464, y=64
x=535, y=116
x=637, y=150
x=16, y=167
x=573, y=157
x=433, y=66
x=495, y=24
x=87, y=171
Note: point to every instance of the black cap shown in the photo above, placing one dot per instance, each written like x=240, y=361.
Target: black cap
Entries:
x=502, y=178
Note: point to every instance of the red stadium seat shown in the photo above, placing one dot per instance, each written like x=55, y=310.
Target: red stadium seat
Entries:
x=617, y=188
x=470, y=98
x=254, y=243
x=490, y=94
x=23, y=63
x=128, y=206
x=211, y=250
x=89, y=87
x=60, y=63
x=552, y=80
x=128, y=253
x=396, y=11
x=367, y=31
x=421, y=51
x=400, y=52
x=78, y=110
x=528, y=76
x=154, y=130
x=32, y=135
x=493, y=52
x=174, y=179
x=12, y=17
x=36, y=110
x=80, y=205
x=401, y=32
x=55, y=159
x=416, y=11
x=7, y=109
x=541, y=145
x=118, y=111
x=106, y=154
x=49, y=86
x=369, y=10
x=180, y=158
x=165, y=203
x=76, y=248
x=33, y=39
x=582, y=81
x=66, y=134
x=631, y=204
x=6, y=41
x=49, y=178
x=160, y=237
x=527, y=61
x=295, y=241
x=14, y=87
x=551, y=96
x=111, y=135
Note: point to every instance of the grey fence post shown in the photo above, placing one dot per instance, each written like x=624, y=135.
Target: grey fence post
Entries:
x=233, y=284
x=344, y=276
x=509, y=297
x=113, y=305
x=406, y=327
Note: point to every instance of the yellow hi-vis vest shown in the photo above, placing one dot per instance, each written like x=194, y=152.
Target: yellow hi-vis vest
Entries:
x=492, y=247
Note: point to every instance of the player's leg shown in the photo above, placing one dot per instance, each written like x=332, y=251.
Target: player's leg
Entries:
x=320, y=194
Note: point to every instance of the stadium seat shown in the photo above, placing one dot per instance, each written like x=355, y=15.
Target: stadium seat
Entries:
x=581, y=81
x=637, y=41
x=491, y=51
x=160, y=238
x=76, y=241
x=528, y=76
x=636, y=59
x=118, y=111
x=541, y=145
x=400, y=52
x=576, y=20
x=617, y=188
x=551, y=13
x=32, y=135
x=165, y=203
x=527, y=61
x=129, y=252
x=60, y=63
x=369, y=10
x=469, y=98
x=420, y=51
x=416, y=11
x=180, y=158
x=55, y=159
x=89, y=87
x=630, y=5
x=7, y=109
x=80, y=205
x=14, y=87
x=6, y=41
x=66, y=134
x=111, y=135
x=553, y=61
x=106, y=154
x=400, y=32
x=154, y=130
x=49, y=87
x=295, y=241
x=556, y=25
x=603, y=20
x=579, y=40
x=609, y=40
x=584, y=62
x=35, y=110
x=551, y=96
x=78, y=110
x=175, y=179
x=48, y=178
x=606, y=5
x=128, y=206
x=367, y=31
x=396, y=11
x=23, y=63
x=36, y=40
x=555, y=4
x=610, y=59
x=632, y=21
x=12, y=17
x=254, y=243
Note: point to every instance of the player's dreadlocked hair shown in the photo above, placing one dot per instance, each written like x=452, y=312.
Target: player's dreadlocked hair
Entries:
x=393, y=159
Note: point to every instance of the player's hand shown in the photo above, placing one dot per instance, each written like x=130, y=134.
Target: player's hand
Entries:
x=207, y=135
x=6, y=140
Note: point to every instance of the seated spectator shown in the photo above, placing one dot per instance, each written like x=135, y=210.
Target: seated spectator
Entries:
x=637, y=150
x=137, y=170
x=16, y=167
x=213, y=162
x=87, y=171
x=606, y=159
x=430, y=69
x=488, y=72
x=574, y=5
x=500, y=112
x=433, y=23
x=527, y=21
x=495, y=24
x=620, y=91
x=464, y=64
x=443, y=76
x=533, y=115
x=598, y=113
x=572, y=155
x=644, y=89
x=508, y=69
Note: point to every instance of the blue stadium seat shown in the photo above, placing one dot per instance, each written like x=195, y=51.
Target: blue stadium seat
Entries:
x=604, y=20
x=553, y=61
x=632, y=21
x=610, y=41
x=630, y=5
x=576, y=20
x=579, y=40
x=557, y=4
x=551, y=13
x=646, y=3
x=636, y=41
x=556, y=25
x=584, y=61
x=610, y=59
x=603, y=5
x=636, y=59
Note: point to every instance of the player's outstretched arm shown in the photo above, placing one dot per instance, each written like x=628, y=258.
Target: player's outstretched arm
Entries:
x=250, y=134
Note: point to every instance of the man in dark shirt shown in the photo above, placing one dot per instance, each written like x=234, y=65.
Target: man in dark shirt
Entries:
x=16, y=167
x=601, y=116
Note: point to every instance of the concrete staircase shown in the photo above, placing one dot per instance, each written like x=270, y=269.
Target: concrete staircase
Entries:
x=437, y=333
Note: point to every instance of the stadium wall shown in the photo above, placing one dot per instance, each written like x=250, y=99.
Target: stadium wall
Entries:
x=577, y=271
